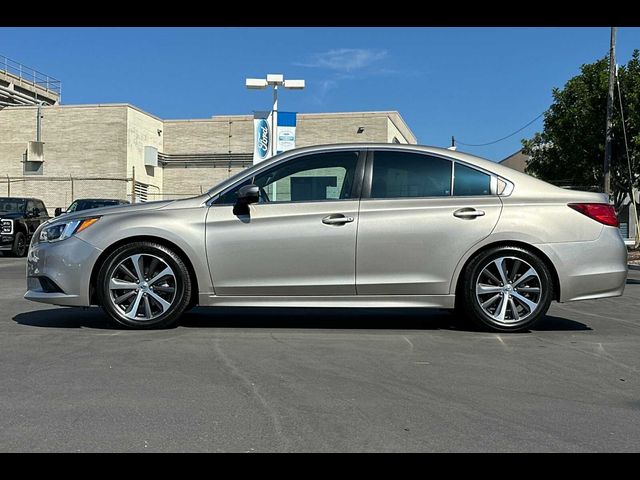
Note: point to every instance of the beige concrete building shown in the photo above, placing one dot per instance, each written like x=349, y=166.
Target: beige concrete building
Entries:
x=517, y=161
x=116, y=149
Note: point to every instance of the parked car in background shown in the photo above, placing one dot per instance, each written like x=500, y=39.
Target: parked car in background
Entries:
x=356, y=225
x=19, y=219
x=87, y=203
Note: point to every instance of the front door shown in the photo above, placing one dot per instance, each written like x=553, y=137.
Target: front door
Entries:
x=32, y=221
x=417, y=222
x=300, y=239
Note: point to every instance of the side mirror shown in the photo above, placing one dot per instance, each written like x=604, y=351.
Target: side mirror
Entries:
x=58, y=211
x=249, y=194
x=246, y=195
x=35, y=212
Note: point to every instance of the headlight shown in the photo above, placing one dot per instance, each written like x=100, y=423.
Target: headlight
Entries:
x=61, y=231
x=6, y=226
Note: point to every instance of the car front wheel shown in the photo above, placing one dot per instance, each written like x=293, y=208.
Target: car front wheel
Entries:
x=144, y=285
x=506, y=289
x=19, y=245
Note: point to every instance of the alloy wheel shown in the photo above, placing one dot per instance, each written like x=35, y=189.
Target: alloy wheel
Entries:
x=142, y=287
x=508, y=290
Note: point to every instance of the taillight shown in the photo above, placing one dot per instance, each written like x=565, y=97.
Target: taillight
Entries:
x=600, y=212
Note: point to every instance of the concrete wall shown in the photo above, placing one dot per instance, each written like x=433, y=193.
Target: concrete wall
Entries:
x=142, y=130
x=234, y=134
x=108, y=140
x=321, y=129
x=517, y=161
x=78, y=141
x=181, y=182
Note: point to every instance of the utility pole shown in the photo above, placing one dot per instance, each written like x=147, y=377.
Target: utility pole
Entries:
x=607, y=142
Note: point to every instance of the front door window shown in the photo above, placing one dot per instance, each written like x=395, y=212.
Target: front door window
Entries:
x=311, y=178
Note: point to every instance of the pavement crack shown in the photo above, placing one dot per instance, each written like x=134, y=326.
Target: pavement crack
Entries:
x=598, y=353
x=255, y=392
x=590, y=314
x=409, y=342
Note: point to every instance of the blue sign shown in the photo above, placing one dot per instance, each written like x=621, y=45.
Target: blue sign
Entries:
x=286, y=131
x=262, y=138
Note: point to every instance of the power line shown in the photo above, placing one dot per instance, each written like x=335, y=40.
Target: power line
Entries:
x=500, y=139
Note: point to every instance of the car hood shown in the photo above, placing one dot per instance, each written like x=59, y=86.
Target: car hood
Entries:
x=11, y=215
x=126, y=208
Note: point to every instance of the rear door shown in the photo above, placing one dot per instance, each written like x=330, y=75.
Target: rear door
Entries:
x=418, y=216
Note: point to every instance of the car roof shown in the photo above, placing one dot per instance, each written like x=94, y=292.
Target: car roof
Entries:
x=21, y=198
x=488, y=165
x=99, y=200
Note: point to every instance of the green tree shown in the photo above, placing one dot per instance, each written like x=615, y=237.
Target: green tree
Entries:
x=570, y=150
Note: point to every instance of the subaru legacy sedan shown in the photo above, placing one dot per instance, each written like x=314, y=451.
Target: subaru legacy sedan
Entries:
x=355, y=225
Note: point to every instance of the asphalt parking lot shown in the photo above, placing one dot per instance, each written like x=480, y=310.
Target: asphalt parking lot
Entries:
x=259, y=380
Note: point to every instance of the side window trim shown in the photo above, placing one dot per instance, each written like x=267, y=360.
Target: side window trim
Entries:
x=368, y=175
x=356, y=188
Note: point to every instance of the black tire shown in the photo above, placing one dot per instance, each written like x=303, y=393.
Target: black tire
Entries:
x=470, y=303
x=20, y=246
x=182, y=287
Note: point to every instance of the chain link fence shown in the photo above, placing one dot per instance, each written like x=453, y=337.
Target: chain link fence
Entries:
x=61, y=191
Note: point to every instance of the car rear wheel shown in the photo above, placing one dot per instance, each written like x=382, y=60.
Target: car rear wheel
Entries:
x=144, y=285
x=19, y=245
x=506, y=289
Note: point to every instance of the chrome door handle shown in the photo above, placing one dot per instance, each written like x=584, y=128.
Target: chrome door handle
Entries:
x=336, y=219
x=469, y=213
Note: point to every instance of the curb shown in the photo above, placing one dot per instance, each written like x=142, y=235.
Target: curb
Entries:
x=633, y=267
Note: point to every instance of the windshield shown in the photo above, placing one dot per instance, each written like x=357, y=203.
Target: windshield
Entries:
x=88, y=204
x=12, y=205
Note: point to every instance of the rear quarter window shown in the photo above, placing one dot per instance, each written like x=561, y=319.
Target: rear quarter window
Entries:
x=469, y=181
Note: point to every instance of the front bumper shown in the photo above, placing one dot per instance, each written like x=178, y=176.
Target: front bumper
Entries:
x=588, y=270
x=68, y=264
x=6, y=241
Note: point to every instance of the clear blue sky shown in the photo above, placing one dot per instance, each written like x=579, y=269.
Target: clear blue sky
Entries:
x=478, y=84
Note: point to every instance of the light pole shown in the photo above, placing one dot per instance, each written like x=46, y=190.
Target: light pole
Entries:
x=275, y=80
x=608, y=135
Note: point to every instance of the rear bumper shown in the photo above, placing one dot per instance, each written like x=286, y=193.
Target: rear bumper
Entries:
x=68, y=264
x=588, y=270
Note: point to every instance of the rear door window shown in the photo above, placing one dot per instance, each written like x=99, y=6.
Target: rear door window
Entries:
x=406, y=175
x=469, y=181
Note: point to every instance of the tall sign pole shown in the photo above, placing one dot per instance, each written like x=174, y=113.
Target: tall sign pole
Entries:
x=265, y=144
x=274, y=122
x=607, y=143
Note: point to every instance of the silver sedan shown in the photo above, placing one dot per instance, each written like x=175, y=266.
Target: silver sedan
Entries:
x=357, y=225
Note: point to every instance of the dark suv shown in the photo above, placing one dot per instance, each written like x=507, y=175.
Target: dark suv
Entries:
x=19, y=219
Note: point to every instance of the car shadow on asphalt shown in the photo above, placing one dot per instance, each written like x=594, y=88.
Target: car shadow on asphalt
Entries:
x=353, y=318
x=287, y=318
x=67, y=318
